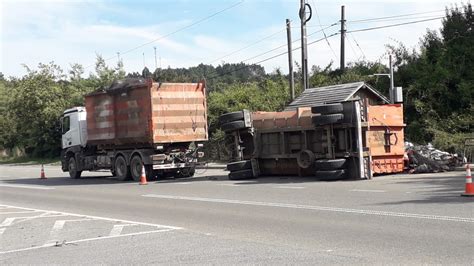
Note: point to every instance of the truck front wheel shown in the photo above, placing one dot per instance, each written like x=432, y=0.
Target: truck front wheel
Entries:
x=72, y=167
x=121, y=169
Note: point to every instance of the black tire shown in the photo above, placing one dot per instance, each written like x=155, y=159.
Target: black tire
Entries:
x=232, y=126
x=136, y=166
x=240, y=165
x=331, y=175
x=332, y=108
x=230, y=117
x=122, y=171
x=305, y=159
x=185, y=172
x=330, y=164
x=72, y=169
x=241, y=175
x=327, y=119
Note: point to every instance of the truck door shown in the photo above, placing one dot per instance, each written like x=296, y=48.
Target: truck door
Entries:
x=70, y=130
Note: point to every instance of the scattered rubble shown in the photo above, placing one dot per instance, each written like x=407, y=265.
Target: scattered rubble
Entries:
x=427, y=159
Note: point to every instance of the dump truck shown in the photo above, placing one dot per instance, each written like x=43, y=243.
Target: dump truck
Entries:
x=134, y=124
x=347, y=131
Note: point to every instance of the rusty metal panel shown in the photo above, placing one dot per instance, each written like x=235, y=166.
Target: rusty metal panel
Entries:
x=100, y=118
x=385, y=137
x=179, y=112
x=287, y=119
x=119, y=118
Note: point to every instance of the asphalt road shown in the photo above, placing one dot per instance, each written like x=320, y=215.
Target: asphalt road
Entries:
x=402, y=219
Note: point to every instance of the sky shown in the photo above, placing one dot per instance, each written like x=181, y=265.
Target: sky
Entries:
x=187, y=33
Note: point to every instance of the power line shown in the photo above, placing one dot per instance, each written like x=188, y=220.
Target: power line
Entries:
x=269, y=58
x=395, y=16
x=176, y=31
x=360, y=48
x=352, y=47
x=284, y=45
x=394, y=25
x=393, y=19
x=324, y=33
x=250, y=45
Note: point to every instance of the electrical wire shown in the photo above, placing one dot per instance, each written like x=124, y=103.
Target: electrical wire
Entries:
x=245, y=47
x=324, y=33
x=269, y=58
x=360, y=48
x=393, y=19
x=394, y=25
x=352, y=47
x=176, y=31
x=395, y=16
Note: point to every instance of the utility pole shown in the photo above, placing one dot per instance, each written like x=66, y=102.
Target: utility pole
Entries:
x=290, y=60
x=343, y=38
x=144, y=60
x=391, y=91
x=118, y=57
x=155, y=58
x=304, y=42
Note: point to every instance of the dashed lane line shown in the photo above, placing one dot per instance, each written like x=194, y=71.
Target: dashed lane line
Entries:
x=317, y=208
x=290, y=187
x=26, y=186
x=368, y=190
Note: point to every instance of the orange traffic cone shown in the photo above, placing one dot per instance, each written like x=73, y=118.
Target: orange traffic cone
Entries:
x=143, y=177
x=42, y=176
x=469, y=190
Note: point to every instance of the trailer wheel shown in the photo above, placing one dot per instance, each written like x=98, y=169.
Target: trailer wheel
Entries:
x=330, y=164
x=232, y=126
x=305, y=159
x=72, y=167
x=136, y=165
x=185, y=172
x=121, y=169
x=230, y=117
x=331, y=175
x=333, y=108
x=241, y=175
x=240, y=165
x=327, y=119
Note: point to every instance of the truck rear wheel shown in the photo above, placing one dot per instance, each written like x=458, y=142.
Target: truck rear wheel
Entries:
x=136, y=166
x=121, y=169
x=72, y=167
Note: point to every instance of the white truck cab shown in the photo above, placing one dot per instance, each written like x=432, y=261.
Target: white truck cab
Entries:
x=74, y=127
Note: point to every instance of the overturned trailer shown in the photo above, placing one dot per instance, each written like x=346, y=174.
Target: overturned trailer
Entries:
x=335, y=132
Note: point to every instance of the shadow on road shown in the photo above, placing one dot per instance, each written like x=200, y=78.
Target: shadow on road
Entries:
x=434, y=188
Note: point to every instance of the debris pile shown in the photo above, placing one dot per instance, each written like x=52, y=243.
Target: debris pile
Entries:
x=427, y=159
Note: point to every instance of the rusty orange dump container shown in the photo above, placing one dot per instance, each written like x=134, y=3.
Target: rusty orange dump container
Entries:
x=385, y=137
x=147, y=113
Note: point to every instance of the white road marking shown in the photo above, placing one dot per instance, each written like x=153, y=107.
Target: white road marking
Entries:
x=368, y=190
x=26, y=186
x=7, y=222
x=60, y=224
x=318, y=208
x=17, y=212
x=10, y=220
x=2, y=230
x=98, y=218
x=87, y=239
x=117, y=229
x=230, y=185
x=57, y=227
x=289, y=187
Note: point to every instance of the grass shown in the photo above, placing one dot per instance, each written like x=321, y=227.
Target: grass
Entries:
x=29, y=160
